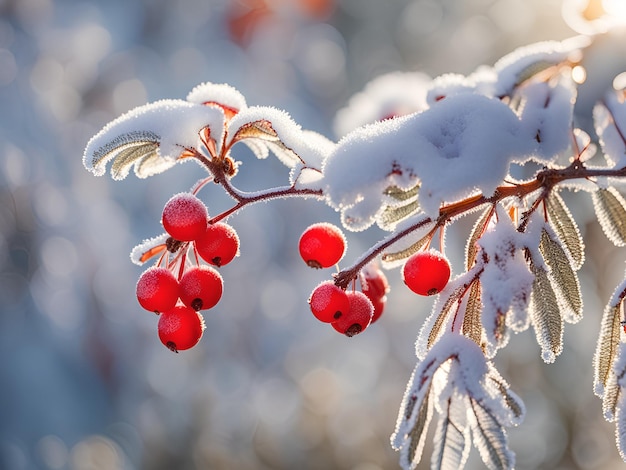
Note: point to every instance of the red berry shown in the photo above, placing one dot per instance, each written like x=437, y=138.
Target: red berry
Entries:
x=359, y=315
x=219, y=244
x=329, y=302
x=322, y=245
x=375, y=286
x=426, y=272
x=157, y=289
x=201, y=287
x=185, y=217
x=180, y=328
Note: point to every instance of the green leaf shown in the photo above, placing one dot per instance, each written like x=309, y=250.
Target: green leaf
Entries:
x=610, y=208
x=564, y=225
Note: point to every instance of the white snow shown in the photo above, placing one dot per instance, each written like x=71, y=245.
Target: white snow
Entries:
x=219, y=93
x=610, y=123
x=171, y=124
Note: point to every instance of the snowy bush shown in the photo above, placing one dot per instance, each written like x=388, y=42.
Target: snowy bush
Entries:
x=499, y=145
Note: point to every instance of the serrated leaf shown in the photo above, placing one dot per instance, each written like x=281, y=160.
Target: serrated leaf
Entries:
x=405, y=253
x=417, y=435
x=471, y=249
x=564, y=225
x=511, y=400
x=490, y=438
x=545, y=314
x=610, y=397
x=565, y=281
x=610, y=208
x=125, y=150
x=391, y=215
x=451, y=302
x=472, y=327
x=400, y=194
x=451, y=440
x=608, y=344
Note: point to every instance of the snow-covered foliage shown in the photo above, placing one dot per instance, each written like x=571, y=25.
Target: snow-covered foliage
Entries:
x=417, y=154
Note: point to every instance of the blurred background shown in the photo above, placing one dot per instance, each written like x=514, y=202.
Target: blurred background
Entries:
x=85, y=382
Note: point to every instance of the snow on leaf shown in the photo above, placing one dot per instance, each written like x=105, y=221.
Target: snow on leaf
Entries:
x=546, y=112
x=221, y=94
x=387, y=96
x=511, y=400
x=545, y=314
x=526, y=62
x=564, y=280
x=610, y=124
x=610, y=208
x=613, y=399
x=620, y=425
x=446, y=149
x=452, y=441
x=490, y=437
x=149, y=248
x=276, y=130
x=151, y=138
x=564, y=225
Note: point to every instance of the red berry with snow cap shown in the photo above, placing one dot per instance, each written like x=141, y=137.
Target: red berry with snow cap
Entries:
x=329, y=302
x=180, y=328
x=157, y=289
x=322, y=245
x=359, y=315
x=426, y=272
x=185, y=217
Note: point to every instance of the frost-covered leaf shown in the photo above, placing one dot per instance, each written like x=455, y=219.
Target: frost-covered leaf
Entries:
x=564, y=225
x=610, y=124
x=402, y=195
x=452, y=437
x=471, y=249
x=220, y=94
x=472, y=327
x=148, y=249
x=279, y=133
x=510, y=399
x=610, y=208
x=528, y=61
x=545, y=314
x=609, y=339
x=442, y=311
x=391, y=215
x=613, y=399
x=564, y=279
x=151, y=138
x=620, y=425
x=414, y=240
x=490, y=438
x=417, y=435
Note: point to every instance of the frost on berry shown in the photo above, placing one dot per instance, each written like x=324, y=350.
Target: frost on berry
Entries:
x=359, y=315
x=322, y=245
x=329, y=302
x=201, y=287
x=426, y=272
x=180, y=328
x=219, y=244
x=157, y=289
x=185, y=217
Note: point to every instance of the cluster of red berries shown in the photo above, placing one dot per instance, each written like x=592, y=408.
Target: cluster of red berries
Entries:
x=323, y=245
x=179, y=289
